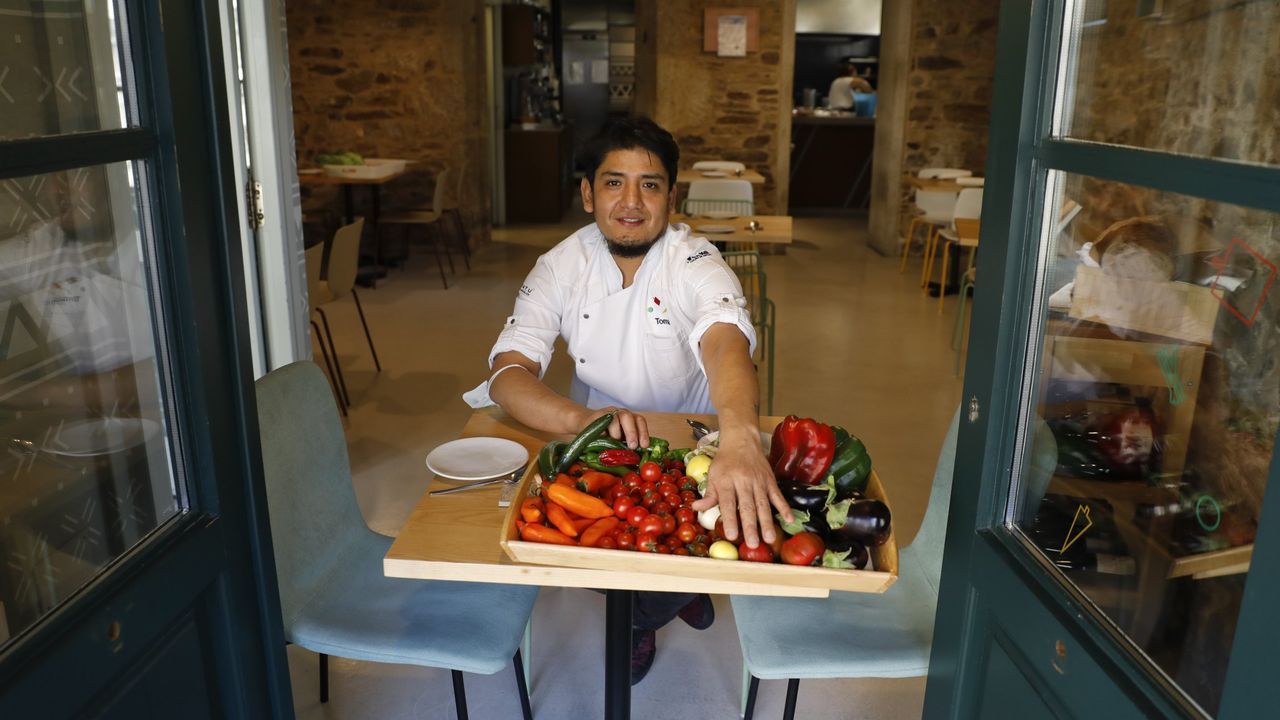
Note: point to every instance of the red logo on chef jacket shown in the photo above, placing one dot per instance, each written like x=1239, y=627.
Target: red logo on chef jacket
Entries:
x=656, y=309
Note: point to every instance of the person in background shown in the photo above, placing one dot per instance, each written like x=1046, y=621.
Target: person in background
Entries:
x=840, y=96
x=654, y=320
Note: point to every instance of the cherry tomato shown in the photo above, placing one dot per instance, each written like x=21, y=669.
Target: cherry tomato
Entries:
x=614, y=492
x=636, y=514
x=622, y=506
x=759, y=553
x=663, y=550
x=678, y=551
x=649, y=500
x=686, y=531
x=702, y=537
x=688, y=496
x=650, y=471
x=607, y=542
x=652, y=524
x=696, y=549
x=803, y=549
x=661, y=507
x=630, y=480
x=627, y=541
x=685, y=516
x=668, y=524
x=667, y=488
x=688, y=484
x=647, y=542
x=673, y=542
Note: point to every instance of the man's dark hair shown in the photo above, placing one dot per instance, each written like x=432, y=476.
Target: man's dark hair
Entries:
x=630, y=133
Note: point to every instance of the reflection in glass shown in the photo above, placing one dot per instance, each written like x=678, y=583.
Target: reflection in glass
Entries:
x=1184, y=76
x=85, y=470
x=1154, y=410
x=59, y=69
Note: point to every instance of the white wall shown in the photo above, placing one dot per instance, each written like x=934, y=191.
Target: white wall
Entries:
x=852, y=17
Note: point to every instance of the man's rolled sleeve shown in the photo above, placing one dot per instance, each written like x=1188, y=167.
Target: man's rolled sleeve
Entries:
x=534, y=324
x=715, y=296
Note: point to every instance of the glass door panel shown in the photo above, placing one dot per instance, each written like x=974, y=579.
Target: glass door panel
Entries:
x=1153, y=409
x=1182, y=76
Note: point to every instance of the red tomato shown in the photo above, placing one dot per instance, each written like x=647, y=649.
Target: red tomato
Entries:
x=650, y=471
x=614, y=492
x=650, y=500
x=662, y=507
x=688, y=496
x=630, y=480
x=759, y=553
x=667, y=488
x=627, y=541
x=636, y=514
x=686, y=531
x=678, y=551
x=647, y=542
x=698, y=549
x=668, y=524
x=803, y=549
x=607, y=542
x=673, y=542
x=652, y=524
x=663, y=550
x=685, y=515
x=622, y=506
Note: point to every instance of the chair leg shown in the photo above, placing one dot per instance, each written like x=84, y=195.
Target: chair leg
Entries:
x=526, y=648
x=524, y=689
x=443, y=243
x=942, y=280
x=753, y=689
x=793, y=691
x=459, y=695
x=906, y=245
x=435, y=247
x=930, y=249
x=367, y=336
x=337, y=366
x=324, y=352
x=461, y=228
x=324, y=678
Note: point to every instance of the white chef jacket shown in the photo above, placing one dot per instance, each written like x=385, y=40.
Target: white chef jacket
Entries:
x=634, y=347
x=840, y=96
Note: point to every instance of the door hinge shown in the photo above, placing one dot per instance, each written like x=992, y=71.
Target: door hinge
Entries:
x=257, y=212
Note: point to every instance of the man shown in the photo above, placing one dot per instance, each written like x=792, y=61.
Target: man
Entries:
x=840, y=96
x=654, y=321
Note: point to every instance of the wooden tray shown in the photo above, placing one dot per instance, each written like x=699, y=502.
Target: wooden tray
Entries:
x=884, y=558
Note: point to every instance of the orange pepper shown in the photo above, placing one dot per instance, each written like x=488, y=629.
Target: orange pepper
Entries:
x=577, y=502
x=598, y=529
x=557, y=516
x=543, y=534
x=567, y=480
x=593, y=482
x=581, y=524
x=532, y=510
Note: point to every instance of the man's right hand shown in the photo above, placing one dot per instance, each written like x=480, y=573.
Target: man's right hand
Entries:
x=627, y=426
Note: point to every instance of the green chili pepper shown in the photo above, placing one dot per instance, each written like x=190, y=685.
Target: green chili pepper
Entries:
x=547, y=458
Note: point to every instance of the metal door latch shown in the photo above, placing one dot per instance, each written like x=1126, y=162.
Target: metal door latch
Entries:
x=973, y=409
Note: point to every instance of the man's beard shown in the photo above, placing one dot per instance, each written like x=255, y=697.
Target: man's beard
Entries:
x=618, y=249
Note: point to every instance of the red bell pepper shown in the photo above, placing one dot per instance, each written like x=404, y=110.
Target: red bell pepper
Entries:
x=615, y=458
x=801, y=450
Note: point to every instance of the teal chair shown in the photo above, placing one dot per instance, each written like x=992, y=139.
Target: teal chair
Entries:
x=333, y=595
x=748, y=266
x=852, y=635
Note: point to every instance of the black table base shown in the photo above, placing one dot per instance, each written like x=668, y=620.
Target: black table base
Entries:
x=617, y=655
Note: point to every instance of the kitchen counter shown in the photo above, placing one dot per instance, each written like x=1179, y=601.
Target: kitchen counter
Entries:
x=806, y=119
x=831, y=163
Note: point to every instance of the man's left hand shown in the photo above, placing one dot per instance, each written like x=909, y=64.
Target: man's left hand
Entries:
x=741, y=482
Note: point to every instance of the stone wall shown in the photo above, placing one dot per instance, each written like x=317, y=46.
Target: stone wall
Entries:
x=393, y=78
x=723, y=108
x=948, y=88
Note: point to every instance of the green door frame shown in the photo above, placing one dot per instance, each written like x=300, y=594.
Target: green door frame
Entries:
x=1020, y=155
x=214, y=561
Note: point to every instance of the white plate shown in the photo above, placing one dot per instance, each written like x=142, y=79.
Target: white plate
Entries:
x=714, y=228
x=100, y=436
x=713, y=173
x=477, y=458
x=720, y=214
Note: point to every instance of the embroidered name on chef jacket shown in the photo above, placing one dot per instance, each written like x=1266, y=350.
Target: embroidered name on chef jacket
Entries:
x=658, y=312
x=697, y=256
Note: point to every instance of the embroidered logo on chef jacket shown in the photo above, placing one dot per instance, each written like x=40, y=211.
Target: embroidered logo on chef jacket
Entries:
x=525, y=290
x=697, y=256
x=658, y=312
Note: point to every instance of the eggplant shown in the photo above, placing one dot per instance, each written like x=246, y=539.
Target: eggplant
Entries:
x=865, y=521
x=858, y=554
x=809, y=498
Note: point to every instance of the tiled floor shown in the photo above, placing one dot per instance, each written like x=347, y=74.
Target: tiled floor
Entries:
x=857, y=345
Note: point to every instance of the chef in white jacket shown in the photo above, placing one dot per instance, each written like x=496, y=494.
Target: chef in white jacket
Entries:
x=654, y=321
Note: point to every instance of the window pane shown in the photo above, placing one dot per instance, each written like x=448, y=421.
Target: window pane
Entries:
x=1153, y=413
x=1185, y=76
x=86, y=471
x=59, y=69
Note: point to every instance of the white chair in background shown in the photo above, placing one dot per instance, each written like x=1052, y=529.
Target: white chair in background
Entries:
x=933, y=209
x=963, y=231
x=720, y=196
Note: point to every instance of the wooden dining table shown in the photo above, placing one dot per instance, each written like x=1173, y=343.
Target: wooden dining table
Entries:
x=310, y=177
x=688, y=175
x=943, y=184
x=456, y=537
x=773, y=230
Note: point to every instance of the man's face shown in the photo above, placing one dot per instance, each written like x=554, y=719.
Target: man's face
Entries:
x=631, y=199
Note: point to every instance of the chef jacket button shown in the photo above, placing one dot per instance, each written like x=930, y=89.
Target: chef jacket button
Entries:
x=585, y=316
x=582, y=360
x=724, y=299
